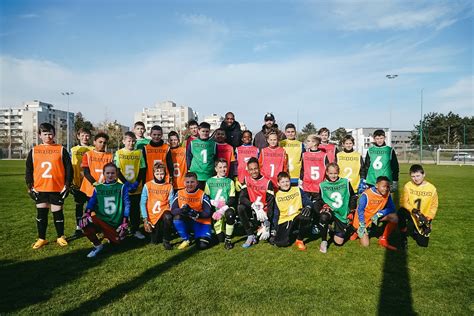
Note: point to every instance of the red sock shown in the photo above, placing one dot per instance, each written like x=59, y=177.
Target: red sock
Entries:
x=389, y=229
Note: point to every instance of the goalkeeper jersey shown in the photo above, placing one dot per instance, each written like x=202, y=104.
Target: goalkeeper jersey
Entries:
x=423, y=197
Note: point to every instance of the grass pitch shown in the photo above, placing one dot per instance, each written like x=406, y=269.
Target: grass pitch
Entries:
x=141, y=278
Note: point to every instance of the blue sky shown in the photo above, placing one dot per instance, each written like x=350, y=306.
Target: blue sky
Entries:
x=318, y=61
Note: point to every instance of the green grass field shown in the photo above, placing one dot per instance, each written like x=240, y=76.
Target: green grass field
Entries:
x=141, y=278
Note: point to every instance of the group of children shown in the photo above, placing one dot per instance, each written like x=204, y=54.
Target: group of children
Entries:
x=284, y=193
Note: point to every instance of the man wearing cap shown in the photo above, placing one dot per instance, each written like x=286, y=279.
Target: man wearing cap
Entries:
x=260, y=140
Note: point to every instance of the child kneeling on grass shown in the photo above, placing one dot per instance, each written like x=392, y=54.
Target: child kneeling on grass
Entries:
x=191, y=209
x=107, y=211
x=156, y=199
x=292, y=212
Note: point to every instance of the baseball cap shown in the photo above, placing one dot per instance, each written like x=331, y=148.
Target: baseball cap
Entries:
x=269, y=117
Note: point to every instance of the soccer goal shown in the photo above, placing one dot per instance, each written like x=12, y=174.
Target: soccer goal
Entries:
x=455, y=156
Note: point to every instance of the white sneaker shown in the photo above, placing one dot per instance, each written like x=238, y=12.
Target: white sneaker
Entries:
x=139, y=235
x=95, y=251
x=324, y=246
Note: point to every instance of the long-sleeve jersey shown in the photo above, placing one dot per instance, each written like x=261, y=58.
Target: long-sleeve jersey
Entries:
x=66, y=161
x=370, y=203
x=373, y=169
x=197, y=201
x=111, y=202
x=245, y=197
x=288, y=204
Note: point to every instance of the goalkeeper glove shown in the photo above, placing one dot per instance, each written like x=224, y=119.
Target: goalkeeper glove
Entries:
x=361, y=231
x=188, y=211
x=375, y=218
x=122, y=229
x=306, y=211
x=85, y=220
x=33, y=194
x=394, y=186
x=422, y=220
x=263, y=233
x=362, y=186
x=64, y=193
x=261, y=215
x=219, y=213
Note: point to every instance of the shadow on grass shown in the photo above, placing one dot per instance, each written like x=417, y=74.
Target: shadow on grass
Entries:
x=123, y=289
x=395, y=292
x=31, y=282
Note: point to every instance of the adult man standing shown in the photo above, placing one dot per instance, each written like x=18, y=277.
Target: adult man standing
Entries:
x=232, y=130
x=260, y=140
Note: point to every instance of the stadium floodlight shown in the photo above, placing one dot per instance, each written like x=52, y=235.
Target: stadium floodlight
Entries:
x=390, y=105
x=421, y=128
x=67, y=93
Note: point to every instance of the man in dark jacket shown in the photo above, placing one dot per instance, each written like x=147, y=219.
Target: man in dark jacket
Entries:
x=260, y=139
x=232, y=130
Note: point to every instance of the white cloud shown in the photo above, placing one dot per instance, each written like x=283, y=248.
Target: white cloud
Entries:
x=203, y=23
x=458, y=97
x=372, y=15
x=349, y=85
x=29, y=16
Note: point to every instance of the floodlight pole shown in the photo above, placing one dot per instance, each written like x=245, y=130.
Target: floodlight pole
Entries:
x=390, y=105
x=68, y=93
x=421, y=129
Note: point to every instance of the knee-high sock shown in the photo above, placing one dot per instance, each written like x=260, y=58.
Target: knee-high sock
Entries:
x=42, y=221
x=58, y=218
x=389, y=229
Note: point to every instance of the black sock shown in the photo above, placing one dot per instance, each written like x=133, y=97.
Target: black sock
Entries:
x=58, y=218
x=79, y=212
x=42, y=221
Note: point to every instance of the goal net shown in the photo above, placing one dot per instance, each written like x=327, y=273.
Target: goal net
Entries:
x=455, y=156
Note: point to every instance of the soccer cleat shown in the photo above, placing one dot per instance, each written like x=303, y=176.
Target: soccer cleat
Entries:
x=228, y=244
x=62, y=241
x=184, y=244
x=251, y=240
x=40, y=243
x=384, y=243
x=354, y=236
x=95, y=251
x=324, y=246
x=78, y=234
x=300, y=244
x=139, y=235
x=167, y=245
